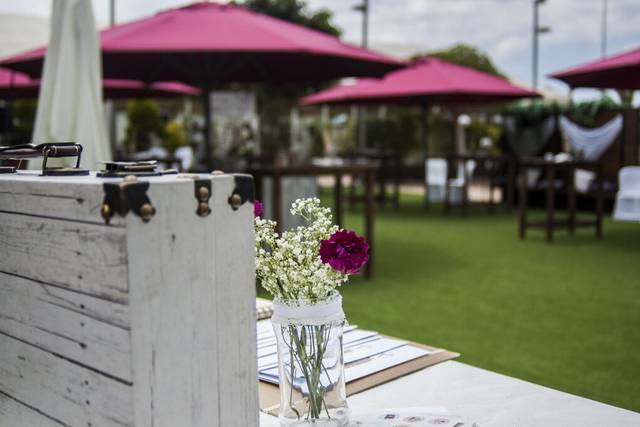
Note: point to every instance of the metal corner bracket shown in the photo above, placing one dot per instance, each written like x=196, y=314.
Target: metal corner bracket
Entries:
x=129, y=195
x=243, y=190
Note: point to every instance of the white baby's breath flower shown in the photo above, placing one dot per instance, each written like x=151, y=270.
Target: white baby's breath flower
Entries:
x=289, y=266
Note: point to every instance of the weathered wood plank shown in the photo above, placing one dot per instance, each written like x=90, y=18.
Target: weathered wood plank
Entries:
x=76, y=326
x=234, y=277
x=181, y=287
x=61, y=389
x=14, y=413
x=172, y=299
x=83, y=257
x=54, y=197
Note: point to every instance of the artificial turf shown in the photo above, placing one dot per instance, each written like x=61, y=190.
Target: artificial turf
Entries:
x=565, y=315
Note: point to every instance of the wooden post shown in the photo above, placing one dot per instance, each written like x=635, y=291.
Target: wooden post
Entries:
x=447, y=202
x=492, y=182
x=424, y=145
x=511, y=181
x=276, y=200
x=599, y=200
x=397, y=172
x=368, y=220
x=550, y=203
x=382, y=178
x=523, y=201
x=337, y=206
x=571, y=199
x=353, y=194
x=257, y=180
x=465, y=186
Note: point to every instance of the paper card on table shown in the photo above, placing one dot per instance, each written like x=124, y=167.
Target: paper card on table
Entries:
x=264, y=327
x=267, y=346
x=383, y=361
x=270, y=372
x=364, y=349
x=267, y=350
x=357, y=335
x=266, y=342
x=267, y=353
x=370, y=365
x=267, y=362
x=269, y=378
x=358, y=350
x=414, y=417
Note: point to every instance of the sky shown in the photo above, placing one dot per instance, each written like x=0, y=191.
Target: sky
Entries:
x=501, y=28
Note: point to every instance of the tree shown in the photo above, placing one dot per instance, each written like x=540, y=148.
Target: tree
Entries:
x=467, y=56
x=295, y=11
x=145, y=122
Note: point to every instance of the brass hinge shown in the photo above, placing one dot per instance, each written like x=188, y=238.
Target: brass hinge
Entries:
x=202, y=188
x=125, y=196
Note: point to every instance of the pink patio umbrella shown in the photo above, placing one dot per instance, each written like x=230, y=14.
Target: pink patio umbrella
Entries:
x=620, y=71
x=207, y=44
x=427, y=81
x=16, y=85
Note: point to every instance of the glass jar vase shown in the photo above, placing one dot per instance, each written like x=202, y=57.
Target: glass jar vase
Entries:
x=310, y=362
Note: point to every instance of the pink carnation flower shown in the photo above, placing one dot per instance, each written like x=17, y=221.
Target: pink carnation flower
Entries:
x=258, y=209
x=345, y=251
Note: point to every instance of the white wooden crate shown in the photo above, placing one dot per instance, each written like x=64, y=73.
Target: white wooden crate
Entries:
x=129, y=323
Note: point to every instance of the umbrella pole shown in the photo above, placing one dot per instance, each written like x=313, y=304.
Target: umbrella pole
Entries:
x=206, y=104
x=424, y=147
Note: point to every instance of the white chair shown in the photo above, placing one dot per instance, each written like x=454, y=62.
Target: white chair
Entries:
x=437, y=180
x=627, y=206
x=458, y=181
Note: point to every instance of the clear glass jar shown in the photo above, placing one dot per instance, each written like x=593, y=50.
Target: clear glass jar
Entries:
x=310, y=362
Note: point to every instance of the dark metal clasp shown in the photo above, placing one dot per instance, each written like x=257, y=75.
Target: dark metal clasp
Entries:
x=243, y=190
x=125, y=196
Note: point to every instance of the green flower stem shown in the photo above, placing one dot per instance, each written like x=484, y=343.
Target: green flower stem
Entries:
x=311, y=365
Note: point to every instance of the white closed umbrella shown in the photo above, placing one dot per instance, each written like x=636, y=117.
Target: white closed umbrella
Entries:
x=70, y=107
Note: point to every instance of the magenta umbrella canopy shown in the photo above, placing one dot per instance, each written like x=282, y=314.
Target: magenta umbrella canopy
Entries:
x=15, y=85
x=620, y=71
x=427, y=80
x=209, y=43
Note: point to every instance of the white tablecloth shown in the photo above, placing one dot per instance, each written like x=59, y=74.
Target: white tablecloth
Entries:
x=487, y=398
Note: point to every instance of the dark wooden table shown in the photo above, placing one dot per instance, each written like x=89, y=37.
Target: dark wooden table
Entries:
x=495, y=162
x=365, y=170
x=389, y=169
x=551, y=172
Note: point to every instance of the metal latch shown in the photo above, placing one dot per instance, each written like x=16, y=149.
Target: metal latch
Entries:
x=47, y=151
x=138, y=168
x=7, y=169
x=125, y=196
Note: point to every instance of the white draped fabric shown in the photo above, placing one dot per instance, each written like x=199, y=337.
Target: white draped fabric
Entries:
x=592, y=143
x=627, y=206
x=70, y=101
x=529, y=141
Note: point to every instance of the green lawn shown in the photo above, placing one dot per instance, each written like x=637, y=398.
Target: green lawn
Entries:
x=565, y=315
